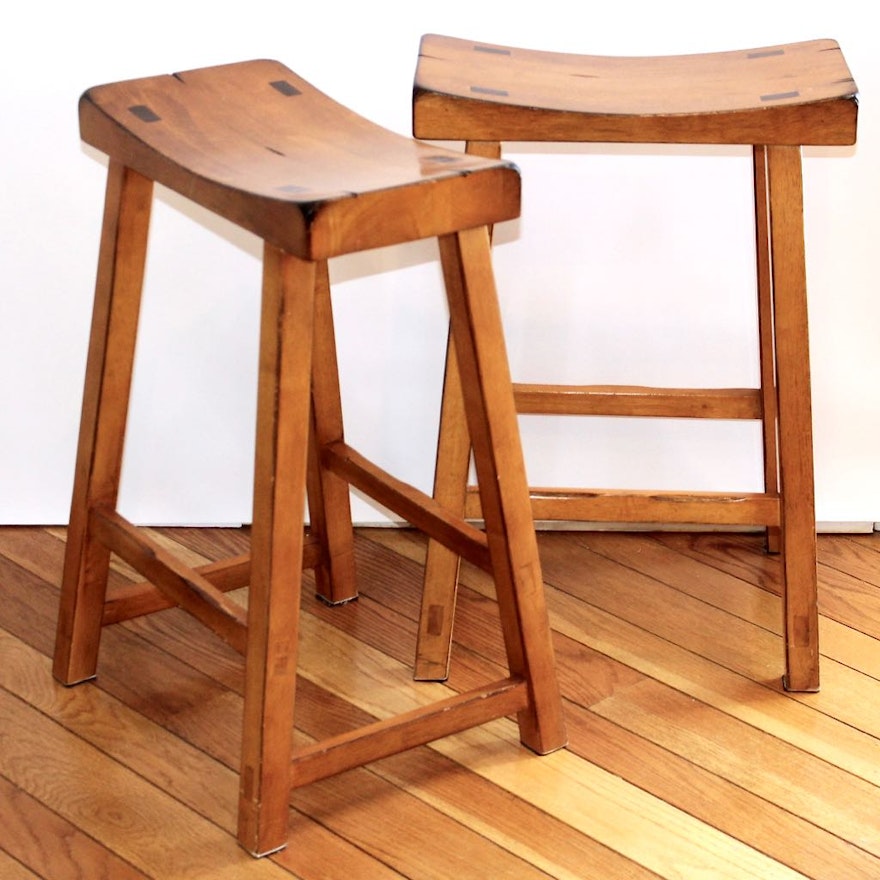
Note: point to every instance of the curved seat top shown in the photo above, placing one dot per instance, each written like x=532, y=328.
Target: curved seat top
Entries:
x=796, y=94
x=257, y=144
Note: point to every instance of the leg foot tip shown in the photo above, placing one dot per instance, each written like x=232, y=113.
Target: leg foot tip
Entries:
x=335, y=603
x=800, y=689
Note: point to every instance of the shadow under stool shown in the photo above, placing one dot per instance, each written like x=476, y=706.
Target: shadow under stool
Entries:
x=259, y=146
x=774, y=100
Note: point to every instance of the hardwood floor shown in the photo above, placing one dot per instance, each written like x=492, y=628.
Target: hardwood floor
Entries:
x=686, y=758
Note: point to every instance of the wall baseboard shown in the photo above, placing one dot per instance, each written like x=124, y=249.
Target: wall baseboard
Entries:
x=830, y=528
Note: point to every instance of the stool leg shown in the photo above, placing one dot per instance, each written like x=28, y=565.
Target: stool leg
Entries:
x=120, y=275
x=437, y=613
x=329, y=502
x=477, y=334
x=283, y=405
x=434, y=644
x=799, y=582
x=766, y=336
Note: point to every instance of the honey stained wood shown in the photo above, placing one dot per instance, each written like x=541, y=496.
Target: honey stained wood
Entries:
x=799, y=93
x=259, y=146
x=40, y=843
x=300, y=171
x=115, y=316
x=476, y=329
x=779, y=773
x=773, y=99
x=283, y=407
x=329, y=504
x=795, y=417
x=68, y=780
x=767, y=348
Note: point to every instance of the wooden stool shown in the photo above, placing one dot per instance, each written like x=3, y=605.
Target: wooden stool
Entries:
x=775, y=100
x=261, y=147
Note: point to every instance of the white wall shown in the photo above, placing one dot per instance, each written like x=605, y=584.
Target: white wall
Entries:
x=630, y=266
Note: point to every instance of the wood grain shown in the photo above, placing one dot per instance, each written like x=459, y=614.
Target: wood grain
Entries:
x=681, y=762
x=772, y=99
x=259, y=146
x=800, y=93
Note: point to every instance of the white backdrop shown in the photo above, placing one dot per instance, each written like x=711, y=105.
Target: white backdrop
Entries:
x=628, y=265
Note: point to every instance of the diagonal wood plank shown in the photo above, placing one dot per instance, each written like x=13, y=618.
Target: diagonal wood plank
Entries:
x=672, y=738
x=699, y=566
x=759, y=700
x=717, y=798
x=47, y=845
x=200, y=782
x=848, y=571
x=143, y=825
x=208, y=719
x=803, y=785
x=728, y=641
x=572, y=786
x=11, y=869
x=732, y=809
x=633, y=822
